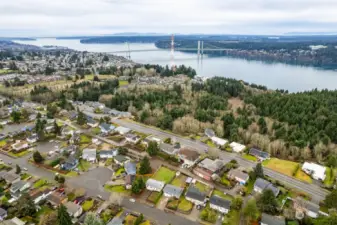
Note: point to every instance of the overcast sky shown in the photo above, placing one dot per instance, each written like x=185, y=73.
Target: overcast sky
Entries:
x=100, y=17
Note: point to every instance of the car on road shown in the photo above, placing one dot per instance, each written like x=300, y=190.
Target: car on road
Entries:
x=132, y=200
x=99, y=196
x=10, y=163
x=25, y=169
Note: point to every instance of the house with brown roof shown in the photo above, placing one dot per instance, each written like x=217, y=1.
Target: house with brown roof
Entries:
x=188, y=156
x=56, y=199
x=207, y=167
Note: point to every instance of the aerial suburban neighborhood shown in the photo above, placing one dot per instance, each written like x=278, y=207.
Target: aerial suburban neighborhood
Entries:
x=121, y=143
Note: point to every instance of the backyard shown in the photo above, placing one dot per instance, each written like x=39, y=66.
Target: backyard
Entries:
x=123, y=83
x=222, y=195
x=179, y=181
x=202, y=187
x=3, y=142
x=164, y=174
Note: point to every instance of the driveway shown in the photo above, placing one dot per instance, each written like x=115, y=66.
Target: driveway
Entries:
x=162, y=203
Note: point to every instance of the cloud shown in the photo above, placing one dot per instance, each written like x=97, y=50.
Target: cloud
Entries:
x=95, y=17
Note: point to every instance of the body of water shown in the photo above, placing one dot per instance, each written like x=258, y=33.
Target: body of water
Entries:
x=272, y=75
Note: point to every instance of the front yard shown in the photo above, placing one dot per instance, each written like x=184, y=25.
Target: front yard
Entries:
x=88, y=204
x=222, y=195
x=232, y=218
x=117, y=188
x=185, y=205
x=249, y=157
x=330, y=177
x=40, y=183
x=84, y=165
x=208, y=214
x=154, y=197
x=202, y=187
x=84, y=139
x=164, y=174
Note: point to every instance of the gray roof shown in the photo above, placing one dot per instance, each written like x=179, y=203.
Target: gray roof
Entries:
x=121, y=158
x=272, y=220
x=212, y=165
x=107, y=126
x=173, y=190
x=167, y=147
x=3, y=212
x=209, y=132
x=258, y=153
x=264, y=184
x=107, y=152
x=130, y=168
x=308, y=205
x=116, y=221
x=89, y=152
x=9, y=177
x=239, y=174
x=17, y=185
x=218, y=201
x=194, y=193
x=72, y=208
x=155, y=184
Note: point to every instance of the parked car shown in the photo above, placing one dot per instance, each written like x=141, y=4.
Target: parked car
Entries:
x=132, y=200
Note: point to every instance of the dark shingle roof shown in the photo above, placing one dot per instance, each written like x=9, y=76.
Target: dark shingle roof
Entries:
x=258, y=153
x=218, y=201
x=194, y=193
x=272, y=220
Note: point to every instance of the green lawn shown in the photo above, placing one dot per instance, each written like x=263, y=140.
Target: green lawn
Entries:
x=96, y=130
x=3, y=142
x=87, y=205
x=179, y=181
x=185, y=205
x=19, y=154
x=249, y=157
x=282, y=166
x=222, y=195
x=224, y=180
x=84, y=165
x=24, y=176
x=119, y=171
x=300, y=175
x=123, y=83
x=72, y=174
x=208, y=214
x=294, y=222
x=164, y=174
x=173, y=204
x=44, y=210
x=232, y=218
x=118, y=189
x=210, y=144
x=108, y=162
x=202, y=187
x=154, y=197
x=40, y=183
x=250, y=186
x=330, y=177
x=84, y=139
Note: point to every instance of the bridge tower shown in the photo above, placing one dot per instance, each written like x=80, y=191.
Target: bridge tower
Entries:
x=202, y=48
x=172, y=52
x=198, y=48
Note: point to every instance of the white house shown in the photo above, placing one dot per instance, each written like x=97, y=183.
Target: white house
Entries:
x=154, y=185
x=219, y=141
x=73, y=209
x=316, y=171
x=237, y=147
x=20, y=146
x=219, y=204
x=132, y=138
x=188, y=156
x=122, y=130
x=89, y=154
x=106, y=128
x=32, y=139
x=3, y=214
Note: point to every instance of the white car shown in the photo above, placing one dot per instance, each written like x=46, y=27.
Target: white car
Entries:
x=132, y=200
x=25, y=169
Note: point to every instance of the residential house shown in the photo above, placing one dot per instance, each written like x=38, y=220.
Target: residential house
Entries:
x=260, y=155
x=55, y=199
x=70, y=163
x=316, y=171
x=28, y=128
x=9, y=177
x=168, y=149
x=75, y=138
x=207, y=167
x=32, y=139
x=4, y=113
x=13, y=221
x=154, y=185
x=49, y=129
x=306, y=207
x=73, y=209
x=108, y=154
x=148, y=139
x=238, y=176
x=2, y=137
x=91, y=122
x=209, y=133
x=18, y=187
x=195, y=196
x=89, y=154
x=272, y=220
x=260, y=185
x=121, y=159
x=219, y=141
x=132, y=138
x=70, y=149
x=172, y=191
x=66, y=131
x=129, y=180
x=130, y=168
x=237, y=147
x=219, y=204
x=122, y=130
x=188, y=156
x=20, y=146
x=3, y=214
x=72, y=115
x=32, y=117
x=38, y=195
x=106, y=128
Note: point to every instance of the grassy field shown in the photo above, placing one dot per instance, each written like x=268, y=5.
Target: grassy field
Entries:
x=19, y=154
x=40, y=183
x=87, y=205
x=164, y=174
x=123, y=83
x=210, y=144
x=300, y=175
x=84, y=139
x=84, y=165
x=281, y=166
x=185, y=205
x=118, y=189
x=3, y=142
x=222, y=195
x=179, y=181
x=154, y=197
x=249, y=157
x=202, y=187
x=119, y=171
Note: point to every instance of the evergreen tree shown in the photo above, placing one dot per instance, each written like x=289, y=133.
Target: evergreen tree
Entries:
x=63, y=217
x=37, y=157
x=267, y=202
x=91, y=219
x=81, y=118
x=16, y=115
x=25, y=206
x=138, y=185
x=145, y=166
x=331, y=199
x=139, y=219
x=259, y=170
x=57, y=129
x=153, y=148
